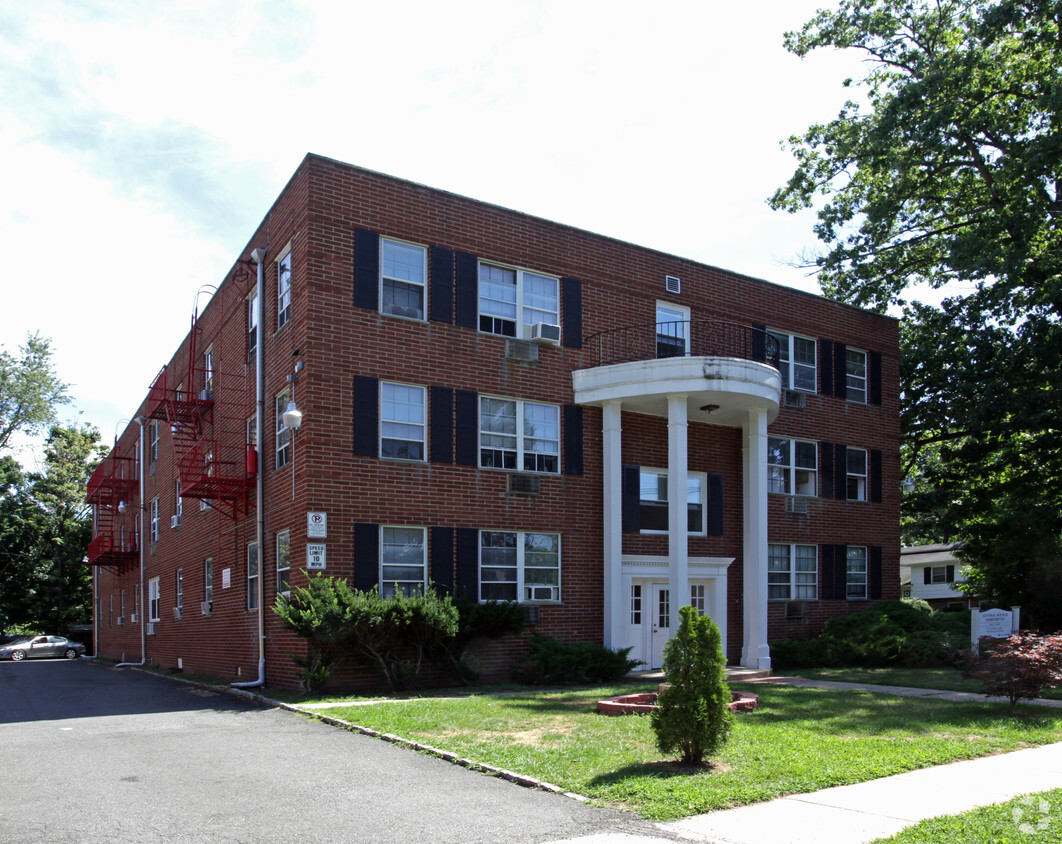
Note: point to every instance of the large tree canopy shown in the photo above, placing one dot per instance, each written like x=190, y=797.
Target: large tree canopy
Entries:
x=29, y=389
x=949, y=177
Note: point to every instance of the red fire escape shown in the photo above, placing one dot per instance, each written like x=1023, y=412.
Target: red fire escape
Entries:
x=114, y=483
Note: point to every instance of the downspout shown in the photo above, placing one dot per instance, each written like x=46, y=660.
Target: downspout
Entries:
x=140, y=549
x=259, y=423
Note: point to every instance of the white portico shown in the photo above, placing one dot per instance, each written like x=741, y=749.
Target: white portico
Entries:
x=724, y=372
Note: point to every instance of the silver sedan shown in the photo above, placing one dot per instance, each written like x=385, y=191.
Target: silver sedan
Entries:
x=33, y=647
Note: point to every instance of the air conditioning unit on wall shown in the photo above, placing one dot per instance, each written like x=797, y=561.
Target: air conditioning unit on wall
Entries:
x=150, y=628
x=175, y=521
x=546, y=334
x=205, y=608
x=796, y=609
x=797, y=505
x=796, y=399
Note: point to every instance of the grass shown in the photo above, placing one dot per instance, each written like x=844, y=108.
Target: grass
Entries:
x=1039, y=814
x=945, y=679
x=799, y=740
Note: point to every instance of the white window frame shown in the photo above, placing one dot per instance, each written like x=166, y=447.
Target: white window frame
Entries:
x=500, y=448
x=942, y=571
x=154, y=599
x=404, y=275
x=283, y=433
x=698, y=593
x=252, y=324
x=180, y=592
x=284, y=289
x=208, y=582
x=856, y=573
x=670, y=319
x=208, y=372
x=284, y=562
x=153, y=519
x=531, y=584
x=253, y=573
x=791, y=475
x=797, y=373
x=855, y=376
x=789, y=577
x=153, y=440
x=696, y=488
x=637, y=591
x=409, y=418
x=856, y=476
x=526, y=309
x=403, y=539
x=178, y=508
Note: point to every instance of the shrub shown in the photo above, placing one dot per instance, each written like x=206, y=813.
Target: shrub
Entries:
x=491, y=620
x=693, y=713
x=553, y=661
x=1017, y=668
x=319, y=613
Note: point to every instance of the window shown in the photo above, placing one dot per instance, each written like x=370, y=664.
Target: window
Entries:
x=792, y=572
x=180, y=592
x=153, y=599
x=857, y=474
x=208, y=584
x=697, y=597
x=856, y=572
x=208, y=374
x=153, y=441
x=178, y=508
x=519, y=566
x=284, y=562
x=672, y=335
x=519, y=435
x=283, y=290
x=855, y=368
x=402, y=417
x=153, y=515
x=252, y=324
x=121, y=605
x=636, y=603
x=252, y=430
x=283, y=434
x=791, y=466
x=796, y=361
x=403, y=560
x=403, y=272
x=509, y=298
x=653, y=516
x=252, y=575
x=939, y=574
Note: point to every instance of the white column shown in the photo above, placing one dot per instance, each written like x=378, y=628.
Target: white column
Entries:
x=678, y=561
x=755, y=652
x=615, y=609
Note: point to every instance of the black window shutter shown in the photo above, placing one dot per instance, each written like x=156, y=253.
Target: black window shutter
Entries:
x=949, y=574
x=442, y=284
x=366, y=412
x=467, y=290
x=366, y=556
x=826, y=367
x=874, y=578
x=366, y=268
x=442, y=559
x=875, y=475
x=840, y=470
x=715, y=505
x=467, y=405
x=840, y=572
x=927, y=575
x=632, y=498
x=572, y=312
x=826, y=469
x=467, y=584
x=826, y=570
x=442, y=425
x=840, y=370
x=573, y=439
x=759, y=344
x=874, y=373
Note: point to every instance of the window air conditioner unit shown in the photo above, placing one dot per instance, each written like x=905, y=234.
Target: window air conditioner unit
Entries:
x=796, y=609
x=150, y=628
x=540, y=593
x=206, y=394
x=205, y=607
x=796, y=399
x=175, y=521
x=134, y=618
x=546, y=334
x=525, y=484
x=121, y=620
x=796, y=504
x=178, y=612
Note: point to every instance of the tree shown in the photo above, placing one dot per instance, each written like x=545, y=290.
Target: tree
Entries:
x=29, y=389
x=693, y=713
x=950, y=178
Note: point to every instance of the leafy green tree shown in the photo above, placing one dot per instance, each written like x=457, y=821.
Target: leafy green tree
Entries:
x=693, y=713
x=949, y=177
x=29, y=389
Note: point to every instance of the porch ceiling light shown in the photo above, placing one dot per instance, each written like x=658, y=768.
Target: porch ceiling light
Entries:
x=710, y=408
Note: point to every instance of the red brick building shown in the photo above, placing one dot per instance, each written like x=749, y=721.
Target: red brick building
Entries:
x=501, y=406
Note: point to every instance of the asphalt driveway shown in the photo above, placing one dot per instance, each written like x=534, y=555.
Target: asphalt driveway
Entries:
x=99, y=754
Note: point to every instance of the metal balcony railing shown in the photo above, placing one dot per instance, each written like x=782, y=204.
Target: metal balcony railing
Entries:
x=690, y=338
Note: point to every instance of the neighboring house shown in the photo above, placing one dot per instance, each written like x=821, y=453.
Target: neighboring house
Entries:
x=930, y=572
x=402, y=387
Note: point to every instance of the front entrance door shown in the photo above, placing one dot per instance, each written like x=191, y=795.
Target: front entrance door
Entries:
x=660, y=615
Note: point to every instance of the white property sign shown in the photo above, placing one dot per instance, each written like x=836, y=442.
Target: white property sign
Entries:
x=995, y=624
x=316, y=525
x=315, y=555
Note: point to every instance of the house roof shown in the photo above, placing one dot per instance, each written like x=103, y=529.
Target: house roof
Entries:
x=930, y=555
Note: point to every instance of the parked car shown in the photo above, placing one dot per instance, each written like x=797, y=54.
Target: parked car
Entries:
x=32, y=647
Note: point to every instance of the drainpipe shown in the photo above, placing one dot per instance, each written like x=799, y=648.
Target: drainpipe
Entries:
x=259, y=393
x=140, y=537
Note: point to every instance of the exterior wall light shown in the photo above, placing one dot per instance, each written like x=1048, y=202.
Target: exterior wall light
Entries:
x=292, y=417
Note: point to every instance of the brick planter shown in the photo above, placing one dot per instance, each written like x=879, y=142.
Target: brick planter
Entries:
x=643, y=704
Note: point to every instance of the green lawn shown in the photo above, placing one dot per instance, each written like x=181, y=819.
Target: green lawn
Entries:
x=799, y=740
x=945, y=679
x=1031, y=818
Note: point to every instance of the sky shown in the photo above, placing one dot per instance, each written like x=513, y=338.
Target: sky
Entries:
x=142, y=143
